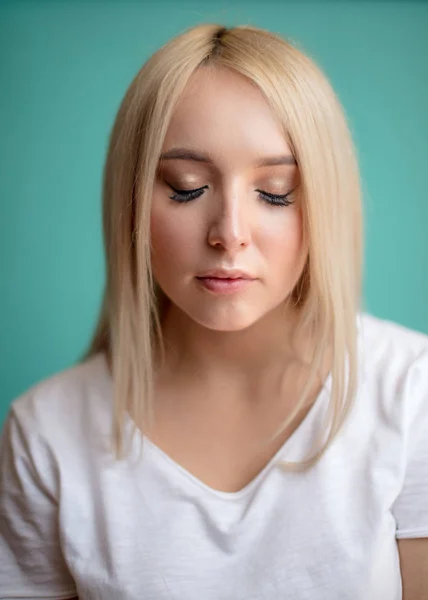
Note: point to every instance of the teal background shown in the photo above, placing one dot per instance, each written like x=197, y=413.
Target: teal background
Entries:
x=64, y=68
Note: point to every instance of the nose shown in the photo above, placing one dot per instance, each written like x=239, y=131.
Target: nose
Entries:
x=230, y=227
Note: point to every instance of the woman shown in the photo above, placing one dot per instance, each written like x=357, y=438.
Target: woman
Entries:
x=238, y=428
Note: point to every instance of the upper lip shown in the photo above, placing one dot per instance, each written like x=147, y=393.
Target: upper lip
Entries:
x=226, y=274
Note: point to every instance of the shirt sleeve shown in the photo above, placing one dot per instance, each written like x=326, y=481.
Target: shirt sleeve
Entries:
x=411, y=506
x=31, y=561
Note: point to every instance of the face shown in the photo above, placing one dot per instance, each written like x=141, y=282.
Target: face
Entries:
x=226, y=221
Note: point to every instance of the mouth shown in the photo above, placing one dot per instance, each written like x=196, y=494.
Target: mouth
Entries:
x=226, y=274
x=225, y=282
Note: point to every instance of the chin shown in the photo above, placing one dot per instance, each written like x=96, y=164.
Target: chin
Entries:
x=226, y=323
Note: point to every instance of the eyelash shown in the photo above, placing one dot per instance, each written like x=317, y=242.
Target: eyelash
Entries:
x=183, y=196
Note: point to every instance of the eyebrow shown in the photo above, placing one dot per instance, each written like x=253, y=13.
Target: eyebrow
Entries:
x=185, y=154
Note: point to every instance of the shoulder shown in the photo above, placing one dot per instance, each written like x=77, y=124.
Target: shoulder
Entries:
x=385, y=340
x=394, y=363
x=390, y=352
x=66, y=406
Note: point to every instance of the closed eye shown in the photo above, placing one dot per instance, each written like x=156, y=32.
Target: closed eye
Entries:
x=276, y=199
x=187, y=195
x=183, y=196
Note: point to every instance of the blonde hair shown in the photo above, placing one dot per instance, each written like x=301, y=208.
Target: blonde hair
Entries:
x=328, y=292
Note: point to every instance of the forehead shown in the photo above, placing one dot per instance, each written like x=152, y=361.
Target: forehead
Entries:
x=224, y=114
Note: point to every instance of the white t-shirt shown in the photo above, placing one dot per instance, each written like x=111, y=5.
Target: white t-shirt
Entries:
x=74, y=521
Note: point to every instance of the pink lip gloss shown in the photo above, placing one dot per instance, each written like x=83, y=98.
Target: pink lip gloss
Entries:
x=223, y=285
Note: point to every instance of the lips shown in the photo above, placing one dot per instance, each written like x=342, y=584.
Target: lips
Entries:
x=226, y=274
x=224, y=282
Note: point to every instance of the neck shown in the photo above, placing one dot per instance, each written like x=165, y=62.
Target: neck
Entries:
x=241, y=357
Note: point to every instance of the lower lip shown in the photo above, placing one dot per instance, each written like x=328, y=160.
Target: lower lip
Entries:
x=224, y=286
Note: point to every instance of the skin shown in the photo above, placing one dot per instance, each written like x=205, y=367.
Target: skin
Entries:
x=414, y=568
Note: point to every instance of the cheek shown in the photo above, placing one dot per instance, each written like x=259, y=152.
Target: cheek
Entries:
x=283, y=239
x=173, y=239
